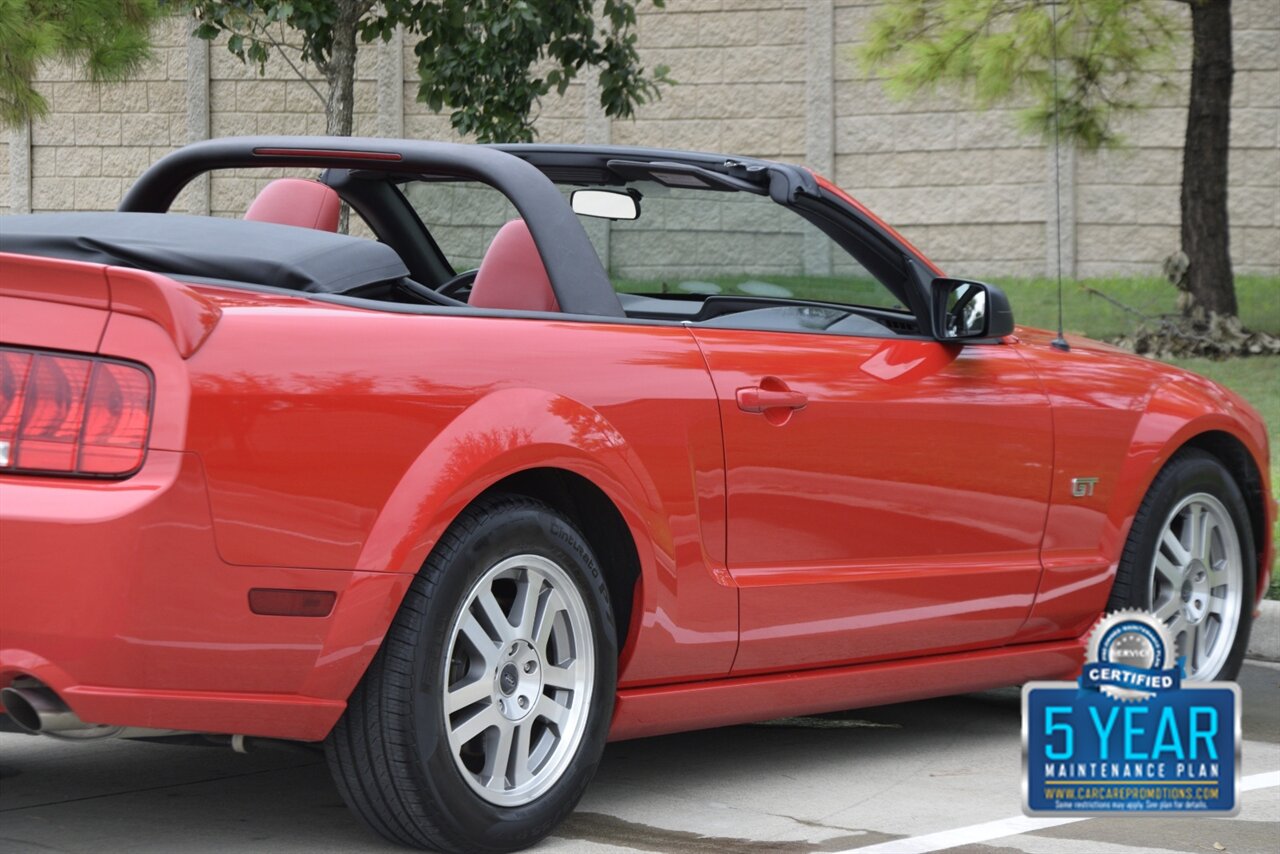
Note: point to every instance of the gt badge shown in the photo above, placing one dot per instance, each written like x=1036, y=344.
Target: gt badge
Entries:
x=1082, y=486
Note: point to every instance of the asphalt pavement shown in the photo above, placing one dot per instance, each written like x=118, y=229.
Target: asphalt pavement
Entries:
x=937, y=775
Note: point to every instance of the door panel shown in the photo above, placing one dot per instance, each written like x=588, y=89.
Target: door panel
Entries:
x=886, y=498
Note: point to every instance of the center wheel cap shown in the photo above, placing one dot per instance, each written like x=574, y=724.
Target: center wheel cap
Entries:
x=1196, y=591
x=517, y=684
x=509, y=679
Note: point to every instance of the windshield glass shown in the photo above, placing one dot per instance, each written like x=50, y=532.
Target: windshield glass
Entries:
x=685, y=241
x=702, y=241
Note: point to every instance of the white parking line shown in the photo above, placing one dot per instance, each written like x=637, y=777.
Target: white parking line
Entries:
x=1011, y=827
x=1260, y=781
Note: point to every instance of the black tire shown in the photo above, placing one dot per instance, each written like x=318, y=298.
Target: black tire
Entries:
x=389, y=753
x=1189, y=472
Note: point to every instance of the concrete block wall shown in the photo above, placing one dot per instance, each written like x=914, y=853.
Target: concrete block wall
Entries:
x=1126, y=201
x=97, y=138
x=6, y=180
x=771, y=78
x=741, y=70
x=963, y=185
x=463, y=218
x=686, y=234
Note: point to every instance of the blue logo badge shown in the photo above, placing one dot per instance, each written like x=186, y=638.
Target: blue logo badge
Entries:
x=1131, y=735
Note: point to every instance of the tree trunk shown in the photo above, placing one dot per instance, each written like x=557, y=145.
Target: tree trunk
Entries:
x=1205, y=238
x=341, y=70
x=340, y=74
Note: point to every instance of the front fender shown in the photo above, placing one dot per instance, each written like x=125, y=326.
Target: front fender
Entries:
x=1121, y=425
x=1180, y=409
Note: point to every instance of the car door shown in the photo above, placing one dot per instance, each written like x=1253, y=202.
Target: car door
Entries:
x=886, y=493
x=886, y=496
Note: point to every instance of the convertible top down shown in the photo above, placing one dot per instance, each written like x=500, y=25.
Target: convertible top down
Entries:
x=208, y=248
x=563, y=444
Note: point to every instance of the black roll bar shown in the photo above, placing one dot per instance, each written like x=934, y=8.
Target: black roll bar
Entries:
x=580, y=283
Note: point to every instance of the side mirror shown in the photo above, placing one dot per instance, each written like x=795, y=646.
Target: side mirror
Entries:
x=605, y=204
x=964, y=310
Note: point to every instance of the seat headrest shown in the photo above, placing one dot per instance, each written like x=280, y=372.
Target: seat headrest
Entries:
x=512, y=275
x=298, y=202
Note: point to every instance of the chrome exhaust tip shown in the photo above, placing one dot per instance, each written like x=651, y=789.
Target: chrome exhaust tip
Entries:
x=39, y=710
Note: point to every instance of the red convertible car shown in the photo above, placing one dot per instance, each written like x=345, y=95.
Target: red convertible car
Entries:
x=562, y=445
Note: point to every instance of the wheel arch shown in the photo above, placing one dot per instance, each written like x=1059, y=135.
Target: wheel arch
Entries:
x=546, y=446
x=1234, y=455
x=600, y=522
x=1203, y=416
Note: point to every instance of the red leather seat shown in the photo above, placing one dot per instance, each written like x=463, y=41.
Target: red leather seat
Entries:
x=295, y=201
x=512, y=275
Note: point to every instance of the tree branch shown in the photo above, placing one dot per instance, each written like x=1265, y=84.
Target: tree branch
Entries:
x=258, y=31
x=280, y=49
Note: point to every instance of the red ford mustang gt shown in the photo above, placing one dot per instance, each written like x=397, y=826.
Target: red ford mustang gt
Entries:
x=573, y=444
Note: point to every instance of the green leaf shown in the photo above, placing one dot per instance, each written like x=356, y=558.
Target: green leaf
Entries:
x=487, y=63
x=109, y=38
x=1078, y=61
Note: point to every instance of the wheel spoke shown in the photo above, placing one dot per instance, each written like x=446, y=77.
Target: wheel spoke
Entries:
x=1172, y=574
x=553, y=604
x=468, y=695
x=1177, y=551
x=521, y=773
x=1195, y=645
x=1166, y=612
x=1208, y=528
x=552, y=711
x=559, y=677
x=476, y=724
x=497, y=758
x=494, y=614
x=526, y=605
x=1218, y=575
x=485, y=646
x=1217, y=599
x=1193, y=530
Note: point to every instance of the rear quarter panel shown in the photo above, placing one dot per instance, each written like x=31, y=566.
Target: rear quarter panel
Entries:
x=58, y=305
x=348, y=439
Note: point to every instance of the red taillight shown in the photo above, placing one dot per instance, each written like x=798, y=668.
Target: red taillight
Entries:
x=77, y=415
x=117, y=417
x=13, y=388
x=52, y=414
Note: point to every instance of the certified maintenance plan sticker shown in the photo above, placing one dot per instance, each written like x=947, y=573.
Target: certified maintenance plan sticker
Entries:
x=1130, y=736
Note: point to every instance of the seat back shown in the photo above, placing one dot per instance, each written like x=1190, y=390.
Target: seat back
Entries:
x=512, y=275
x=295, y=201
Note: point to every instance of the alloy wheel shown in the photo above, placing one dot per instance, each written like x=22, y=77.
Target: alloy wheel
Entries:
x=521, y=672
x=1197, y=582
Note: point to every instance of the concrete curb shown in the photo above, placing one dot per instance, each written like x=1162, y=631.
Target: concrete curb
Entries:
x=1264, y=640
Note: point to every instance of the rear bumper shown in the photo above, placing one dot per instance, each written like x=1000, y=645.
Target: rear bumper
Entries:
x=114, y=595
